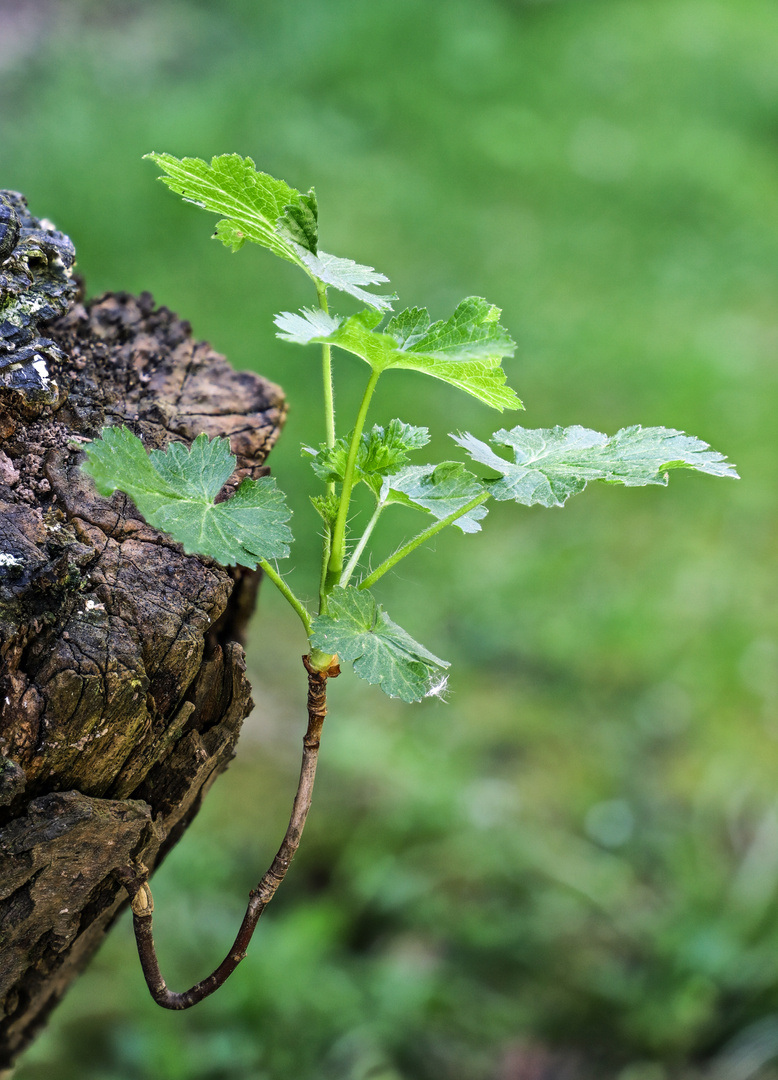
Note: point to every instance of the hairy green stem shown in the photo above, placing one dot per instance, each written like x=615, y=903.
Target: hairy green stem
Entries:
x=326, y=548
x=335, y=568
x=288, y=595
x=326, y=363
x=421, y=538
x=329, y=425
x=357, y=553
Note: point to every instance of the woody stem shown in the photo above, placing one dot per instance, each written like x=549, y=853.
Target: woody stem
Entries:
x=134, y=877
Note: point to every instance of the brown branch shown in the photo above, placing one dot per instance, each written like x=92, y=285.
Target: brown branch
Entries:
x=134, y=877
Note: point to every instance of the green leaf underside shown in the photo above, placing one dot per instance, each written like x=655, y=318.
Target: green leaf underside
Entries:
x=175, y=489
x=347, y=276
x=268, y=212
x=439, y=489
x=551, y=464
x=382, y=450
x=306, y=326
x=358, y=629
x=465, y=350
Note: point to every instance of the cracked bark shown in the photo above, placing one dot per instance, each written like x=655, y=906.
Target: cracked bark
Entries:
x=122, y=677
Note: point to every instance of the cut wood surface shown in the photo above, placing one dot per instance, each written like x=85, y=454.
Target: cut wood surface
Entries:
x=122, y=676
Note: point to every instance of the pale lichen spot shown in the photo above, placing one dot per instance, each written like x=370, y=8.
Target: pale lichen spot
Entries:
x=40, y=366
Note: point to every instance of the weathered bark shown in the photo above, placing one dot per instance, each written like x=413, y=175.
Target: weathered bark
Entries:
x=122, y=678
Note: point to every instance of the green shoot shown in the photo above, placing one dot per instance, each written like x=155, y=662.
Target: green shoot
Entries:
x=175, y=491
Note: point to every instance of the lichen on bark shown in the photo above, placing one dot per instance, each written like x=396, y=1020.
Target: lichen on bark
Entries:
x=36, y=287
x=122, y=677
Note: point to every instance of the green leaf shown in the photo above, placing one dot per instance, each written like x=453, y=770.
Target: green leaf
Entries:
x=439, y=489
x=358, y=629
x=268, y=212
x=473, y=331
x=347, y=276
x=252, y=201
x=465, y=350
x=381, y=451
x=231, y=234
x=306, y=326
x=299, y=222
x=175, y=489
x=551, y=464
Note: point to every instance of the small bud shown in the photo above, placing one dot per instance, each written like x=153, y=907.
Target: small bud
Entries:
x=142, y=902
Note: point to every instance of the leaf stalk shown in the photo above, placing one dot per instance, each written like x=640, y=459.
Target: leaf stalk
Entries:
x=288, y=595
x=326, y=359
x=335, y=568
x=357, y=552
x=421, y=538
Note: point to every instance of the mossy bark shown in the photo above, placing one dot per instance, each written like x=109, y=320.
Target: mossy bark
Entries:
x=122, y=676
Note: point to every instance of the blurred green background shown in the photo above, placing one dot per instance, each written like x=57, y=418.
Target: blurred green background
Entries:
x=575, y=859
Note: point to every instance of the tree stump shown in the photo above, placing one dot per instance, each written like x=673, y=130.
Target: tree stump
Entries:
x=122, y=675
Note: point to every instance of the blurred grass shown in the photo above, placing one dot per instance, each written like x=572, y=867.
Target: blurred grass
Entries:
x=581, y=847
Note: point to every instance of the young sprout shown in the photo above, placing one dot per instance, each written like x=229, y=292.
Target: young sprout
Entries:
x=175, y=489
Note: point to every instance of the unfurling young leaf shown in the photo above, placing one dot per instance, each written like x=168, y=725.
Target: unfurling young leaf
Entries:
x=381, y=451
x=175, y=490
x=466, y=350
x=551, y=464
x=300, y=222
x=358, y=629
x=268, y=212
x=326, y=506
